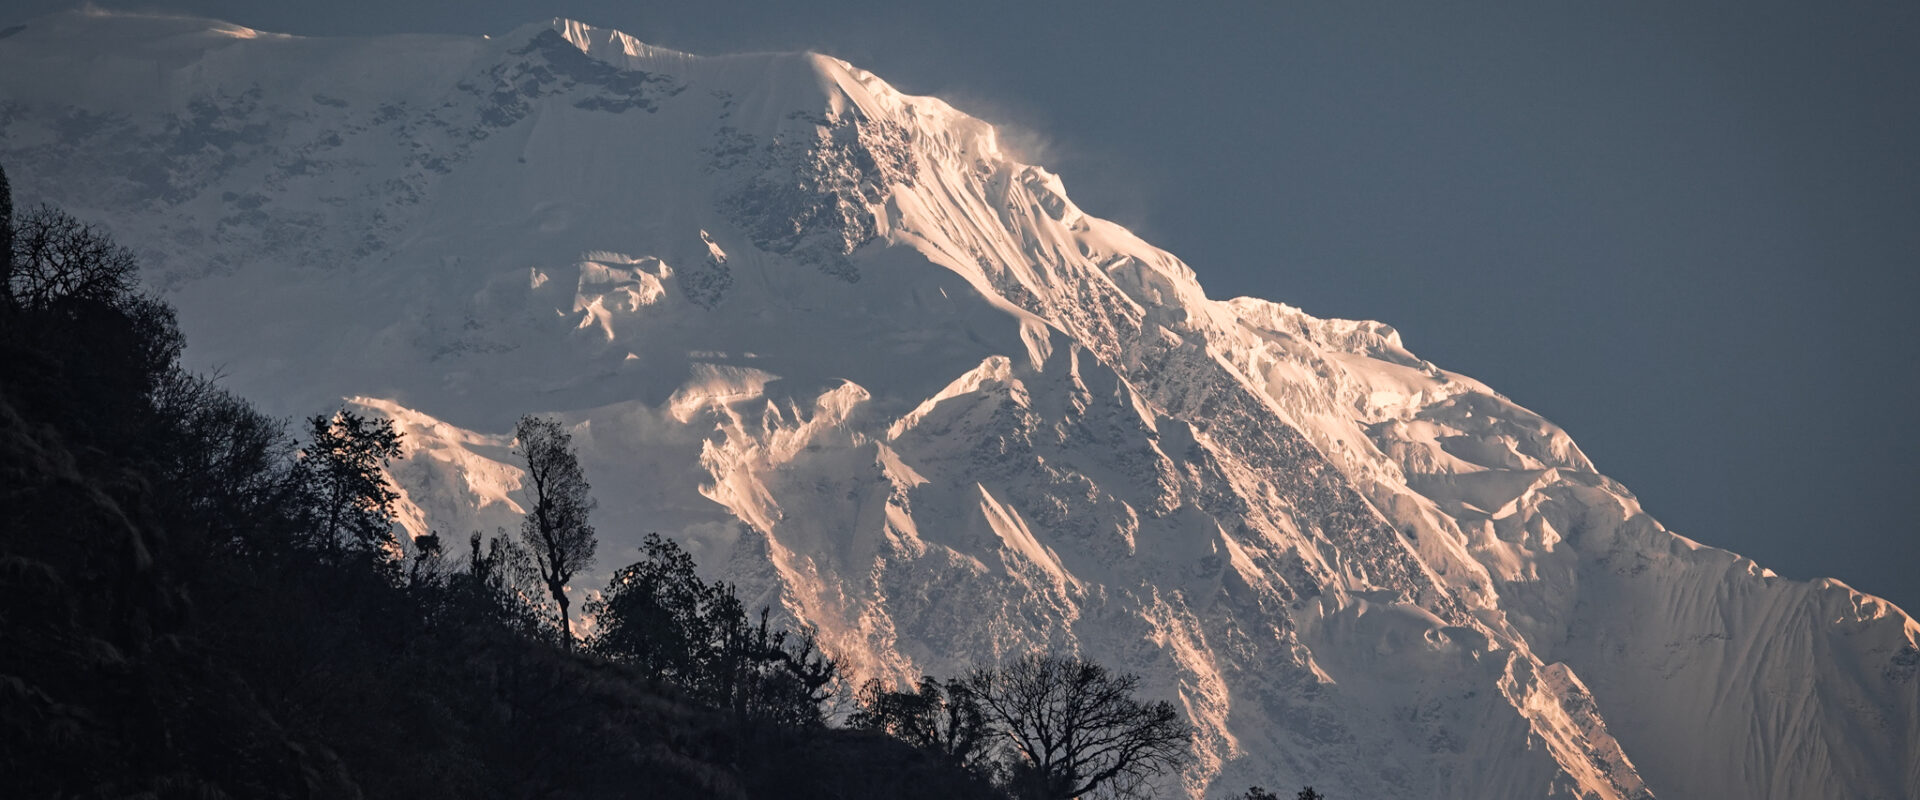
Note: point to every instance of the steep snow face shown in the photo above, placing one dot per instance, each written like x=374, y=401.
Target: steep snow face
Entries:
x=897, y=384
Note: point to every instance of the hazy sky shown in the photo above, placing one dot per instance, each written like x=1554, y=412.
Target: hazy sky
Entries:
x=1686, y=232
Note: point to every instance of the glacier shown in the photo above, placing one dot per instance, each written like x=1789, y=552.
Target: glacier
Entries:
x=862, y=361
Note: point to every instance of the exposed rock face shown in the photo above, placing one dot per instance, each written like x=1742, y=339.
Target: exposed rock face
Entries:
x=808, y=193
x=834, y=340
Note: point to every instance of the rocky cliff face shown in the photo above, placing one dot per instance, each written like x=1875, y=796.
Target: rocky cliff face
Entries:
x=860, y=360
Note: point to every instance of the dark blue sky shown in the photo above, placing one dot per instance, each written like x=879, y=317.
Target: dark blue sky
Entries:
x=1686, y=232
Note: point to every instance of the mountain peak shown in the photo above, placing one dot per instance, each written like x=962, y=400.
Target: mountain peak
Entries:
x=606, y=44
x=894, y=382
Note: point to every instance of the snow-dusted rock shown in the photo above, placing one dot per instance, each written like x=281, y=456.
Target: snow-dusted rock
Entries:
x=855, y=357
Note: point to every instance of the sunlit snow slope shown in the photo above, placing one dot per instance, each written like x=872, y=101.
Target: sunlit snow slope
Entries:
x=857, y=358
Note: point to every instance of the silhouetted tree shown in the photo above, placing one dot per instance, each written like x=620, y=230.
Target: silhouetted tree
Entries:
x=6, y=236
x=427, y=563
x=85, y=346
x=768, y=675
x=555, y=531
x=226, y=465
x=1076, y=727
x=660, y=617
x=344, y=469
x=939, y=716
x=1307, y=793
x=135, y=661
x=86, y=350
x=59, y=258
x=501, y=585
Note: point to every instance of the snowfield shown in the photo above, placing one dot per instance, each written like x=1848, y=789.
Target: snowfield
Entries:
x=853, y=356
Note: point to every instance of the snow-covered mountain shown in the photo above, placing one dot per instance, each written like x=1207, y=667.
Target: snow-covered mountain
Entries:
x=835, y=340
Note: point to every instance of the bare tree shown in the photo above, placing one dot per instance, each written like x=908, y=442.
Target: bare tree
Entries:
x=82, y=290
x=1075, y=727
x=56, y=257
x=556, y=530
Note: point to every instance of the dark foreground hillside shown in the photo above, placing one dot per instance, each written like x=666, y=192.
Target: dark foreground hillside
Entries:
x=165, y=633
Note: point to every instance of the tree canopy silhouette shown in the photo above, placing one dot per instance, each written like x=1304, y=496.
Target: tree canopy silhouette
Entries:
x=177, y=618
x=944, y=717
x=1076, y=726
x=344, y=464
x=556, y=531
x=59, y=258
x=6, y=235
x=658, y=616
